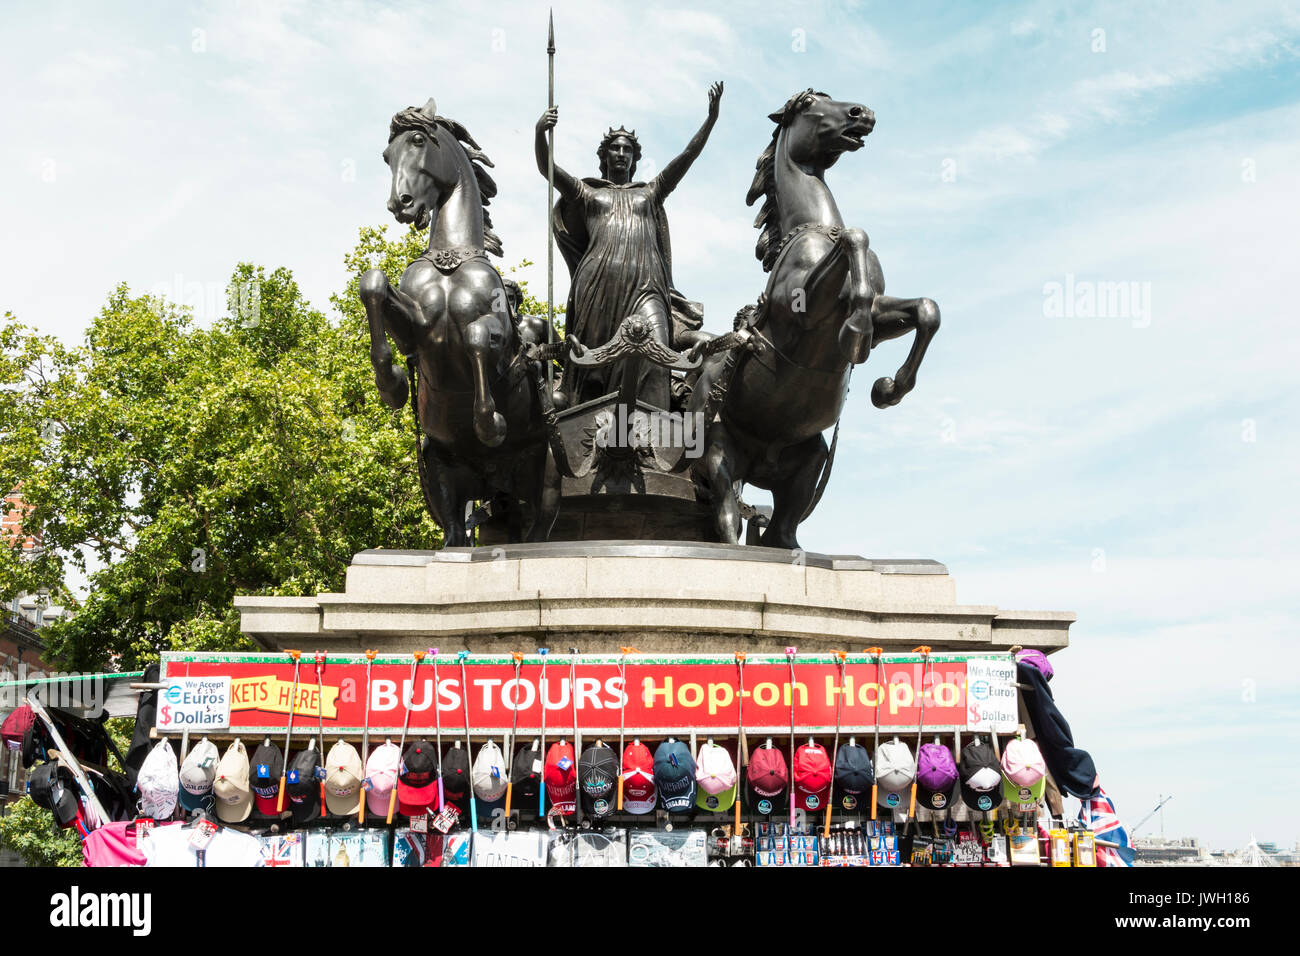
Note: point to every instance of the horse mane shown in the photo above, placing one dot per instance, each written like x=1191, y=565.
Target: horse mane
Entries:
x=768, y=221
x=414, y=117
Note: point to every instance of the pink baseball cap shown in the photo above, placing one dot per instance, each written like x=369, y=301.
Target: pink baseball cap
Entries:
x=381, y=776
x=1022, y=762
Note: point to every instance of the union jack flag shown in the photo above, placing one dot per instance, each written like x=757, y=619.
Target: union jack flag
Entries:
x=282, y=850
x=1098, y=815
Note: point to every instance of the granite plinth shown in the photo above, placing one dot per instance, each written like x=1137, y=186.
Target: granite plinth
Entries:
x=666, y=597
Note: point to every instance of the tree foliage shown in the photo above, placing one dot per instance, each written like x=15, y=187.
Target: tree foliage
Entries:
x=30, y=831
x=180, y=464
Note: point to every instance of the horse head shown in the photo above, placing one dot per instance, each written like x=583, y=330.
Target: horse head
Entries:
x=819, y=130
x=424, y=170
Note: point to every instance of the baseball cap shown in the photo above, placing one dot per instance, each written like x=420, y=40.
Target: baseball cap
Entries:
x=981, y=777
x=526, y=772
x=417, y=780
x=489, y=773
x=768, y=777
x=675, y=776
x=715, y=778
x=456, y=777
x=638, y=779
x=895, y=770
x=198, y=770
x=561, y=776
x=1024, y=772
x=1036, y=658
x=597, y=780
x=158, y=782
x=303, y=784
x=812, y=776
x=853, y=775
x=53, y=787
x=936, y=775
x=267, y=768
x=343, y=776
x=381, y=776
x=16, y=727
x=230, y=787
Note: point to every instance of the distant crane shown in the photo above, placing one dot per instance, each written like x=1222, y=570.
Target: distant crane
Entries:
x=1163, y=801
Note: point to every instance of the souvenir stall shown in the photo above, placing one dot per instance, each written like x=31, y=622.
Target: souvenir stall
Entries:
x=432, y=758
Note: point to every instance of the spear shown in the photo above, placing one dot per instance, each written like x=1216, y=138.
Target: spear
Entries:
x=550, y=197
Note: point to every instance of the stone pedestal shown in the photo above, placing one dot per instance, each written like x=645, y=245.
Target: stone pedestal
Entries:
x=666, y=597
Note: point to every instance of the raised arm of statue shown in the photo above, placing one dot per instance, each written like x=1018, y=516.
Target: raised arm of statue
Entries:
x=672, y=173
x=566, y=184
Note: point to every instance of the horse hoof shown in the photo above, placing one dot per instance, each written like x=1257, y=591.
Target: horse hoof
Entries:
x=491, y=434
x=784, y=542
x=884, y=394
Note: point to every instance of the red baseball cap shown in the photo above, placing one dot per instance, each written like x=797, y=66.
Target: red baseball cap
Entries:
x=768, y=777
x=417, y=780
x=812, y=776
x=561, y=776
x=638, y=778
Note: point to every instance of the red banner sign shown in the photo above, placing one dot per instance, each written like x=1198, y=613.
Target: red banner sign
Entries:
x=661, y=695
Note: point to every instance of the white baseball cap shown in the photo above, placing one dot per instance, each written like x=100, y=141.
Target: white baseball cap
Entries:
x=488, y=774
x=895, y=771
x=158, y=781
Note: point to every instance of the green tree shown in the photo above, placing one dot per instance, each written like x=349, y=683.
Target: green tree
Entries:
x=29, y=831
x=191, y=463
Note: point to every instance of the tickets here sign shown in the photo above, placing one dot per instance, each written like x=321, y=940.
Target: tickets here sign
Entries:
x=991, y=701
x=194, y=703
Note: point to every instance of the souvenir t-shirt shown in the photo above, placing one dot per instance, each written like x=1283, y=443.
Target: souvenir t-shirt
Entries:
x=170, y=846
x=116, y=844
x=282, y=849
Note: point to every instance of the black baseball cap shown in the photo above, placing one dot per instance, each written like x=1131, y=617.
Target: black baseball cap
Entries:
x=853, y=775
x=303, y=783
x=526, y=771
x=980, y=774
x=455, y=778
x=597, y=779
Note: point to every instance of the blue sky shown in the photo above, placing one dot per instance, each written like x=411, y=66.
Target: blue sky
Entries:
x=1137, y=468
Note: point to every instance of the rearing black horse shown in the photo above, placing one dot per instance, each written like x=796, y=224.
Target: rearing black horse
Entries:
x=823, y=307
x=482, y=431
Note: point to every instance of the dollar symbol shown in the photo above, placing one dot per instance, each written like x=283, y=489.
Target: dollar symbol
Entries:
x=165, y=713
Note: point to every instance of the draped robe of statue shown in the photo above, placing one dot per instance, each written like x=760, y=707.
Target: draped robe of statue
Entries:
x=615, y=241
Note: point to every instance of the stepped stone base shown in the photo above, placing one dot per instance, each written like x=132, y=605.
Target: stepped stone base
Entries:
x=665, y=597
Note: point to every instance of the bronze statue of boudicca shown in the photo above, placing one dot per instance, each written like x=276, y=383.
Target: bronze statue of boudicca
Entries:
x=655, y=426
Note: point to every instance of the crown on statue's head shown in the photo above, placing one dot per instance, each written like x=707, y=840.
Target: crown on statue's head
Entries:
x=610, y=136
